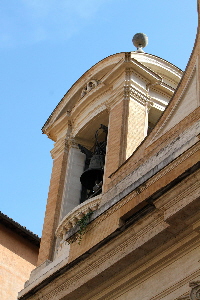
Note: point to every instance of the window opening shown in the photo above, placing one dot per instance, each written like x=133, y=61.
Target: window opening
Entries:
x=92, y=177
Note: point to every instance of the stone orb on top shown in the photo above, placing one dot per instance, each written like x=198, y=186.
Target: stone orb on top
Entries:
x=140, y=40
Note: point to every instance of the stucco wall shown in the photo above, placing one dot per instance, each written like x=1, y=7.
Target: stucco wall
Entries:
x=18, y=258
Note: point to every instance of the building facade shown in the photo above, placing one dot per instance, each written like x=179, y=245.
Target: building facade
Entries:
x=19, y=250
x=122, y=218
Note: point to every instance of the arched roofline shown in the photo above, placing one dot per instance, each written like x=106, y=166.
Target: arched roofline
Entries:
x=99, y=66
x=70, y=90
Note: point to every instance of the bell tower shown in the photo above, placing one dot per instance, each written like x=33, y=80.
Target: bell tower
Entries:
x=96, y=127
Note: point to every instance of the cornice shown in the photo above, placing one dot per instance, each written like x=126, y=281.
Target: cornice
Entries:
x=174, y=200
x=80, y=273
x=147, y=58
x=90, y=102
x=177, y=199
x=173, y=107
x=169, y=157
x=176, y=139
x=138, y=96
x=79, y=85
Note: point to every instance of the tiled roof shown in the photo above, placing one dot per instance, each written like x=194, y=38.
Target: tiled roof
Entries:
x=19, y=229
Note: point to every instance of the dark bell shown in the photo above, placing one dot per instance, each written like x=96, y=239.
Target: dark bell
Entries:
x=94, y=174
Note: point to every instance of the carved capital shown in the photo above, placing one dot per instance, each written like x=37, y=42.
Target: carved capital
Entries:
x=195, y=292
x=108, y=106
x=63, y=145
x=138, y=96
x=149, y=105
x=72, y=143
x=59, y=147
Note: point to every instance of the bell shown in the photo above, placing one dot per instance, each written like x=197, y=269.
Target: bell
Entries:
x=94, y=174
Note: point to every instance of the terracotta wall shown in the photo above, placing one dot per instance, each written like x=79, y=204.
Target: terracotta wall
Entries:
x=18, y=258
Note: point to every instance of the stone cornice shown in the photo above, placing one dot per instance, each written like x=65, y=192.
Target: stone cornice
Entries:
x=150, y=59
x=163, y=160
x=138, y=96
x=173, y=201
x=175, y=106
x=122, y=198
x=176, y=140
x=77, y=88
x=123, y=245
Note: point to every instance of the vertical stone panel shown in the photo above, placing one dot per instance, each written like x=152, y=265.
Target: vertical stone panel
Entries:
x=60, y=154
x=113, y=154
x=127, y=128
x=135, y=127
x=72, y=186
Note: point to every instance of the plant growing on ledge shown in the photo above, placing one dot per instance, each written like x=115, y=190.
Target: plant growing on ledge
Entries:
x=82, y=223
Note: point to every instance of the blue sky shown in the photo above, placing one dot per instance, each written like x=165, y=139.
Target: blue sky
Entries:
x=45, y=46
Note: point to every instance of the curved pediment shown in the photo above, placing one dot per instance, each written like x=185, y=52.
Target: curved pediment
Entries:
x=89, y=81
x=104, y=77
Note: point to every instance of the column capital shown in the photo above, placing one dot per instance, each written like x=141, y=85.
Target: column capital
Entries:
x=63, y=145
x=138, y=96
x=72, y=143
x=60, y=146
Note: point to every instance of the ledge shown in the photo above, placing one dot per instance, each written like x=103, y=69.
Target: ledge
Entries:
x=71, y=219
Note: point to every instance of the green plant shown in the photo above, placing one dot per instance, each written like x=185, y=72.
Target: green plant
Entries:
x=82, y=223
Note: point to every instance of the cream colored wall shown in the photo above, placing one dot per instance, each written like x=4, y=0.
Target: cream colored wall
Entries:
x=166, y=281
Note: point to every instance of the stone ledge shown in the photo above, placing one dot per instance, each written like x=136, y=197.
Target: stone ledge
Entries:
x=71, y=219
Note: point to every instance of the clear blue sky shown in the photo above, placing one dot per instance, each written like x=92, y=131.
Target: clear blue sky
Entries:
x=45, y=46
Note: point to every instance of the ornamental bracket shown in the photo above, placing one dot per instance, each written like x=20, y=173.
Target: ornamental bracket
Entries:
x=89, y=86
x=195, y=292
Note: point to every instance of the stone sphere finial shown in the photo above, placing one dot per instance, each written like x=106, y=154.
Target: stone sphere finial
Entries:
x=140, y=40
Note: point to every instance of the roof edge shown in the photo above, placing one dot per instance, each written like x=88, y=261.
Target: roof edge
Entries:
x=19, y=229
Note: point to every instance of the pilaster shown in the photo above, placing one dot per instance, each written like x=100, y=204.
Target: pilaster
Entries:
x=114, y=140
x=128, y=123
x=59, y=155
x=137, y=120
x=72, y=185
